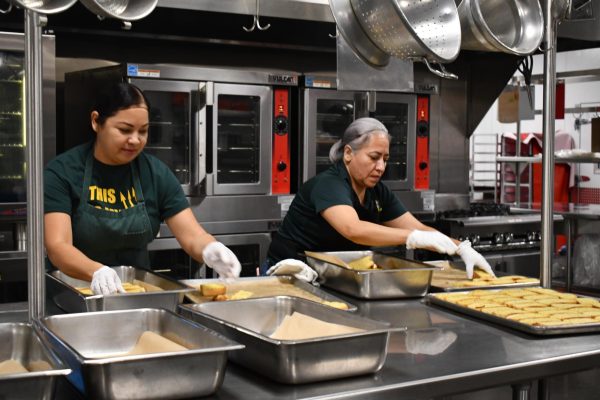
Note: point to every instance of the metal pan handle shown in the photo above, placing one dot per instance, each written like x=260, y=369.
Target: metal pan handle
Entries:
x=442, y=73
x=200, y=142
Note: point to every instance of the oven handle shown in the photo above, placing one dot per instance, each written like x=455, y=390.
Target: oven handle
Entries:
x=200, y=150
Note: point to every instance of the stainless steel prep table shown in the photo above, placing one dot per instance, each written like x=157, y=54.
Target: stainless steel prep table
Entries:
x=483, y=355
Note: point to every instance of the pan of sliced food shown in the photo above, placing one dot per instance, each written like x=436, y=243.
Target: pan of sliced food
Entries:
x=142, y=289
x=370, y=275
x=450, y=278
x=535, y=310
x=207, y=290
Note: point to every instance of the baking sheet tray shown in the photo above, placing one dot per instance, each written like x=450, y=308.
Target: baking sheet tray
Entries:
x=250, y=322
x=443, y=279
x=93, y=345
x=266, y=286
x=398, y=277
x=21, y=342
x=162, y=292
x=433, y=298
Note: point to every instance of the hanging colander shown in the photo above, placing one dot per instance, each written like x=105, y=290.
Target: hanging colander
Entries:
x=44, y=6
x=509, y=26
x=423, y=30
x=126, y=10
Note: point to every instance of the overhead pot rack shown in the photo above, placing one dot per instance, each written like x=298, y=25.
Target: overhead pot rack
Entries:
x=509, y=26
x=426, y=31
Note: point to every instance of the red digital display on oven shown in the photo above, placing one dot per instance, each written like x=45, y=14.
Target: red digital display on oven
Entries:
x=422, y=148
x=280, y=183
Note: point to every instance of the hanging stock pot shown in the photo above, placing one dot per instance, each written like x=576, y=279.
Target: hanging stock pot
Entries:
x=509, y=26
x=427, y=31
x=44, y=6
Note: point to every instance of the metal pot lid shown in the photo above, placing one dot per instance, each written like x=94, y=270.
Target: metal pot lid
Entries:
x=350, y=29
x=44, y=6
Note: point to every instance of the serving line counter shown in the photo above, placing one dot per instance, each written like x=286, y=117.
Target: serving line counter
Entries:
x=457, y=354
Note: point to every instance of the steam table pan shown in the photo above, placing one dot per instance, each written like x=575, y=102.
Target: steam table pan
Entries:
x=252, y=321
x=163, y=293
x=94, y=344
x=20, y=342
x=396, y=278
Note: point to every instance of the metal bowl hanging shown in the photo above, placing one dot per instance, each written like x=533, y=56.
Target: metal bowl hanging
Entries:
x=126, y=10
x=44, y=6
x=509, y=26
x=421, y=30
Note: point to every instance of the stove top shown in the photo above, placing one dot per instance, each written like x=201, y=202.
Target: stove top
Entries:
x=476, y=210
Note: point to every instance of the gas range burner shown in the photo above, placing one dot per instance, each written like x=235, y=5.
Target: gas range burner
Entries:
x=476, y=210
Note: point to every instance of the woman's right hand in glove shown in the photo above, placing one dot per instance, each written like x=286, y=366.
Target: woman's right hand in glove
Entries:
x=106, y=281
x=431, y=240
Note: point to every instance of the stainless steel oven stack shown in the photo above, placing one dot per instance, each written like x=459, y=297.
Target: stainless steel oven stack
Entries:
x=227, y=136
x=328, y=111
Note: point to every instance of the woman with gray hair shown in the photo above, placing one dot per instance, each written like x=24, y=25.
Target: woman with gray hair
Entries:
x=347, y=207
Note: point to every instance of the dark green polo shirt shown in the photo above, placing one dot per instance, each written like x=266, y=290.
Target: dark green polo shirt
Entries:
x=111, y=187
x=304, y=228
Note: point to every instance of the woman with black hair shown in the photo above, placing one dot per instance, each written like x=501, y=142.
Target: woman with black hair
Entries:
x=104, y=200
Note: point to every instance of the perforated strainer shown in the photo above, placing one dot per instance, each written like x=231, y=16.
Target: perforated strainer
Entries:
x=425, y=30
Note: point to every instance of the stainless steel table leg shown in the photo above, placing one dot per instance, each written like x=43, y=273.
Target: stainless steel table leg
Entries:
x=521, y=391
x=569, y=271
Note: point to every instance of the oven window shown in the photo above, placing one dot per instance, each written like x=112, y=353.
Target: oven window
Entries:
x=238, y=139
x=249, y=257
x=12, y=131
x=169, y=135
x=175, y=264
x=333, y=117
x=395, y=118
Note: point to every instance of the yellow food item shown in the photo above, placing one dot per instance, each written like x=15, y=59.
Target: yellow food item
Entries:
x=85, y=291
x=129, y=288
x=221, y=297
x=212, y=289
x=363, y=263
x=336, y=304
x=241, y=295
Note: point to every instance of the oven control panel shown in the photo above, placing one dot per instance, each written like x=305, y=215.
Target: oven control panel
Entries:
x=422, y=144
x=280, y=173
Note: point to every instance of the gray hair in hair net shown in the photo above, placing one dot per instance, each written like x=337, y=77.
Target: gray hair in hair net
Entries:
x=355, y=136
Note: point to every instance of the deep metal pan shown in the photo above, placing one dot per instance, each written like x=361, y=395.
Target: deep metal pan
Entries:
x=62, y=290
x=398, y=277
x=21, y=342
x=91, y=343
x=433, y=298
x=250, y=322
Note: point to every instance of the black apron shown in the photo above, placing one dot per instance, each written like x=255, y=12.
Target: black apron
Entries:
x=112, y=238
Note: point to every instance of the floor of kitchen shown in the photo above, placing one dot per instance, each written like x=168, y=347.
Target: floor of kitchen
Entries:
x=580, y=386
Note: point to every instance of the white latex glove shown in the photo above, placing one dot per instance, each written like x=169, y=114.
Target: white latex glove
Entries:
x=428, y=341
x=432, y=240
x=217, y=256
x=295, y=268
x=106, y=281
x=472, y=258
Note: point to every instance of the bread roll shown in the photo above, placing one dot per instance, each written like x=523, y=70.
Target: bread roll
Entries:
x=212, y=289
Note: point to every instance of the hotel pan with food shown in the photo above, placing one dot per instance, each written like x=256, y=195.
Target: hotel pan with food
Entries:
x=96, y=346
x=66, y=292
x=29, y=370
x=253, y=321
x=393, y=278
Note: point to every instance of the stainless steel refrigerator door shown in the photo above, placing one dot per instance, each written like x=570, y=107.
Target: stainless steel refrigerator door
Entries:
x=327, y=113
x=176, y=136
x=398, y=113
x=242, y=127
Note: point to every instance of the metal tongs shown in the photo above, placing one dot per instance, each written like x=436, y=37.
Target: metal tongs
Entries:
x=526, y=68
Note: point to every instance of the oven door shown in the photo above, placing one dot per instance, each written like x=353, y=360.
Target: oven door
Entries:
x=250, y=249
x=168, y=258
x=327, y=113
x=398, y=113
x=241, y=140
x=175, y=136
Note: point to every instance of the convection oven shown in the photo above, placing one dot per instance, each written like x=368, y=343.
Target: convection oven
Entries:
x=327, y=112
